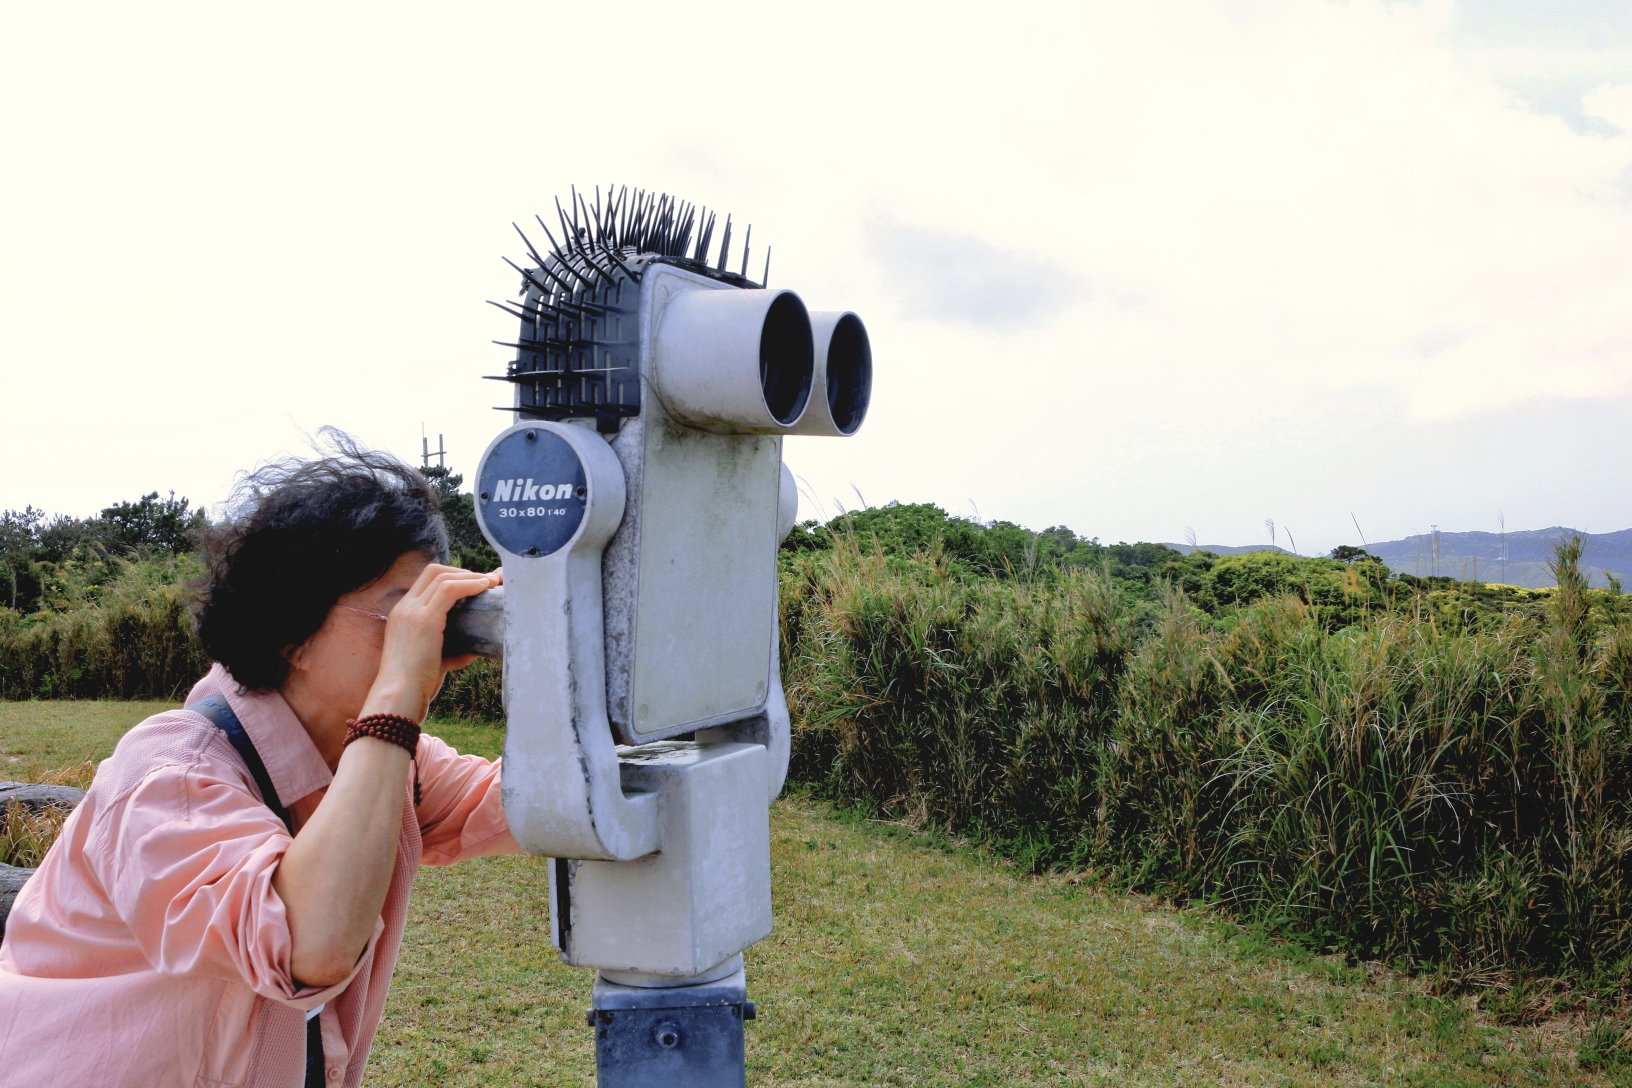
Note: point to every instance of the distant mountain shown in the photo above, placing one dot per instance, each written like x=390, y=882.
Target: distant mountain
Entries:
x=1478, y=556
x=1460, y=555
x=1225, y=549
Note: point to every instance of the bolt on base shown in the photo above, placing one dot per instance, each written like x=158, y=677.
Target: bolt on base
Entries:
x=674, y=1037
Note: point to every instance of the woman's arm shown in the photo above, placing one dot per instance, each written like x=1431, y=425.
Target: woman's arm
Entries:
x=334, y=877
x=462, y=815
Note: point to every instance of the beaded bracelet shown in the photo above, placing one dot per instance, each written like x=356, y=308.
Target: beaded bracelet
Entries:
x=393, y=729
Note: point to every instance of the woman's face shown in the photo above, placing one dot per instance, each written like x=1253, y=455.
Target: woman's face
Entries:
x=336, y=667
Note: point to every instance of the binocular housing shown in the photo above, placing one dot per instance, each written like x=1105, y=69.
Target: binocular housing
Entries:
x=638, y=502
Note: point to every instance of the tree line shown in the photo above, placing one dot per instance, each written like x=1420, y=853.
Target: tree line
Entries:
x=52, y=562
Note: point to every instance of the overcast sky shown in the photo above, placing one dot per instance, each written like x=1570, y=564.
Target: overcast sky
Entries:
x=1131, y=268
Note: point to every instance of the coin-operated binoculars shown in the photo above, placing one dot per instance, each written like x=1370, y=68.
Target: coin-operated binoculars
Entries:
x=638, y=504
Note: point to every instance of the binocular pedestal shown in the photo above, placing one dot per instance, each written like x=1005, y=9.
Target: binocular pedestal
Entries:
x=665, y=931
x=637, y=503
x=687, y=1036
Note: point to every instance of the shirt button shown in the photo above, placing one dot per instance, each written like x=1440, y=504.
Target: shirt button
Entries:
x=334, y=1072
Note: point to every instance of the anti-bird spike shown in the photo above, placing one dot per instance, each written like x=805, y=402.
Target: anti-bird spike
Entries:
x=725, y=245
x=573, y=289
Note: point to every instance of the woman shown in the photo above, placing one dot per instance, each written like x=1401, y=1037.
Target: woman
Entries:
x=180, y=932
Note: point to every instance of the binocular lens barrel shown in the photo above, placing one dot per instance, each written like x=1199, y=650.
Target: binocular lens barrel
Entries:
x=849, y=373
x=785, y=362
x=735, y=362
x=844, y=374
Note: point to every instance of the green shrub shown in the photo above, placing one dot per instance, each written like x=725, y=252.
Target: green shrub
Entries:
x=32, y=546
x=1401, y=786
x=127, y=637
x=122, y=629
x=971, y=549
x=1397, y=768
x=474, y=693
x=968, y=704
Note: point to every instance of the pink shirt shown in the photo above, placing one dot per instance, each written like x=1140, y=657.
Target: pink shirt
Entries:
x=150, y=949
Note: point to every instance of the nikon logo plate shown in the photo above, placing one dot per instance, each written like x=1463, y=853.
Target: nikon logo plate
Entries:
x=532, y=493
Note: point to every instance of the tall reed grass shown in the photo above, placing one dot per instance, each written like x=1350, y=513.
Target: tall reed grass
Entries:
x=26, y=835
x=474, y=693
x=1409, y=779
x=131, y=638
x=1399, y=788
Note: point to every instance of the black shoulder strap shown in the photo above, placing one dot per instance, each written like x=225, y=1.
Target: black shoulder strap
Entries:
x=219, y=712
x=216, y=709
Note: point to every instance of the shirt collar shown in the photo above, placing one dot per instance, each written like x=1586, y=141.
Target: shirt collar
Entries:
x=292, y=760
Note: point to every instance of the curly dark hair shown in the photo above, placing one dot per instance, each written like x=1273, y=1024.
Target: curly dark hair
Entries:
x=304, y=532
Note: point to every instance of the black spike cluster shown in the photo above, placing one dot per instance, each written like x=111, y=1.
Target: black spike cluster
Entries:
x=577, y=353
x=597, y=236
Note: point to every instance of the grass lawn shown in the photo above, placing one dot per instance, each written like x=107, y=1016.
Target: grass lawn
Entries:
x=39, y=738
x=897, y=961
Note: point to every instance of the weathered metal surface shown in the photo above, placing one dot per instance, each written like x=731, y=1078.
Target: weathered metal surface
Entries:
x=562, y=795
x=476, y=626
x=683, y=1037
x=690, y=575
x=705, y=896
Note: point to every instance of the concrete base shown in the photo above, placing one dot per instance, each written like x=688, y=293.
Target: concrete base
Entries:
x=673, y=1037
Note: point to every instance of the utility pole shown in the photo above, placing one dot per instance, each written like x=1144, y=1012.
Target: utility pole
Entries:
x=426, y=453
x=1501, y=527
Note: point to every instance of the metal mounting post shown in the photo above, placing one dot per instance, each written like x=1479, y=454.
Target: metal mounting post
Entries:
x=673, y=1037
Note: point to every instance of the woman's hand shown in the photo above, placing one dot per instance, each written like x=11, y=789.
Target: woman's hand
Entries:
x=411, y=662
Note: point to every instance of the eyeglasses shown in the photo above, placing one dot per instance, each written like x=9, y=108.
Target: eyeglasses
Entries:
x=381, y=616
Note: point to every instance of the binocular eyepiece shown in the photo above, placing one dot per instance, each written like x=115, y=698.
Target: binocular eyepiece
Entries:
x=476, y=626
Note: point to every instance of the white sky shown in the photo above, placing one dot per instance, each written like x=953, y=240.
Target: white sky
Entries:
x=1131, y=268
